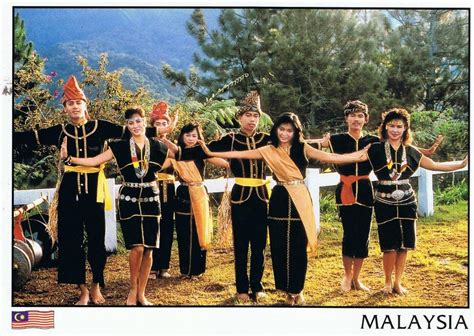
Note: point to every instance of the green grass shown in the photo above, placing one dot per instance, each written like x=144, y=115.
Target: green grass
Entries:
x=436, y=273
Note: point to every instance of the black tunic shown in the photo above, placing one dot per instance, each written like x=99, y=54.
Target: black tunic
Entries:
x=357, y=217
x=395, y=218
x=139, y=207
x=249, y=210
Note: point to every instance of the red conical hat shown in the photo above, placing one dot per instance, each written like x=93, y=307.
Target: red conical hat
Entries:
x=72, y=91
x=160, y=111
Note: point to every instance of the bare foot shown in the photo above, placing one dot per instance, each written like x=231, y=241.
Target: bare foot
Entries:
x=299, y=299
x=242, y=299
x=400, y=290
x=132, y=298
x=346, y=284
x=387, y=289
x=83, y=299
x=144, y=302
x=290, y=299
x=96, y=295
x=360, y=286
x=152, y=276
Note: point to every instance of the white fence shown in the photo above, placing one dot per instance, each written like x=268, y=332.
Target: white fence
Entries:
x=314, y=180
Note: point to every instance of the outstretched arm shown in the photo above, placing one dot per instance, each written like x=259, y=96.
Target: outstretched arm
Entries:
x=323, y=142
x=429, y=164
x=170, y=144
x=88, y=162
x=337, y=158
x=219, y=162
x=430, y=151
x=247, y=154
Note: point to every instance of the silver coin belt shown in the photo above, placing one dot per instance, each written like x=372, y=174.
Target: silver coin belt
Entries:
x=294, y=182
x=390, y=194
x=396, y=182
x=140, y=199
x=139, y=185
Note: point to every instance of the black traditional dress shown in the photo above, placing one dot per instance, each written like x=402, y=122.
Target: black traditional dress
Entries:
x=355, y=212
x=139, y=200
x=249, y=207
x=289, y=234
x=395, y=199
x=192, y=256
x=162, y=255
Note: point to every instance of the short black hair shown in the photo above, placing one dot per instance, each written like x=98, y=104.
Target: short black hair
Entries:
x=134, y=110
x=189, y=128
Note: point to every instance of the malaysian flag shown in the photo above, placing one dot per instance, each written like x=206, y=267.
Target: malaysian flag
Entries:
x=33, y=319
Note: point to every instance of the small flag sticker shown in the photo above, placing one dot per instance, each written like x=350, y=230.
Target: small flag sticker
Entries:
x=33, y=319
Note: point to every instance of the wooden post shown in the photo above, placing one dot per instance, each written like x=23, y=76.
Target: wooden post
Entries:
x=425, y=193
x=312, y=182
x=110, y=220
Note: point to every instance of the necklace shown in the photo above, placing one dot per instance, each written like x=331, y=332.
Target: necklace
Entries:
x=135, y=162
x=394, y=174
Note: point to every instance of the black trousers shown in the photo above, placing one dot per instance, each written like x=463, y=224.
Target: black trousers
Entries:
x=162, y=255
x=249, y=228
x=356, y=220
x=74, y=216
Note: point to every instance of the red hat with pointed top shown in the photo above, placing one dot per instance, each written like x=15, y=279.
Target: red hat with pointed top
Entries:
x=160, y=111
x=72, y=91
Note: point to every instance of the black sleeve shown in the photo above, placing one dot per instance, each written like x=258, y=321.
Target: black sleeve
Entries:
x=161, y=152
x=110, y=130
x=46, y=136
x=376, y=156
x=224, y=144
x=193, y=153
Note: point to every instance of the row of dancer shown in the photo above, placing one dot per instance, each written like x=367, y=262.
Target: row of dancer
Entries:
x=291, y=227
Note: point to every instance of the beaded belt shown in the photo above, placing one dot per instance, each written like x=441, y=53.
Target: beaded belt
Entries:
x=140, y=199
x=396, y=182
x=294, y=182
x=396, y=195
x=192, y=184
x=139, y=185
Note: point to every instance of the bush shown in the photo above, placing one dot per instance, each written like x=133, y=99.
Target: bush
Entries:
x=452, y=194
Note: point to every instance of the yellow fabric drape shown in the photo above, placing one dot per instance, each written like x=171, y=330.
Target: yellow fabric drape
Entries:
x=164, y=177
x=103, y=193
x=199, y=198
x=253, y=182
x=285, y=170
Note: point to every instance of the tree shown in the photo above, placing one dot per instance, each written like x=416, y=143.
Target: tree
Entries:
x=22, y=49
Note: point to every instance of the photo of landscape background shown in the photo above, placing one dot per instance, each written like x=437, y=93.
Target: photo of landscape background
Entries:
x=310, y=61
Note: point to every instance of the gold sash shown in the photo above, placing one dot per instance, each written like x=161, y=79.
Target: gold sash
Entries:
x=253, y=182
x=164, y=177
x=103, y=194
x=285, y=170
x=189, y=173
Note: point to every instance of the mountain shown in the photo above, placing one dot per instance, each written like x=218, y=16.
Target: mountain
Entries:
x=137, y=40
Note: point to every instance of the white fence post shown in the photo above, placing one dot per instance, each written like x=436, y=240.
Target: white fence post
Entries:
x=425, y=193
x=312, y=182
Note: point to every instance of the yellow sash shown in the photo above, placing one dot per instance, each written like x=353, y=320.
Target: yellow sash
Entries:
x=164, y=177
x=103, y=194
x=199, y=198
x=253, y=182
x=285, y=170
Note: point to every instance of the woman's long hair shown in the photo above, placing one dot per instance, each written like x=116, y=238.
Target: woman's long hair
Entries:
x=287, y=118
x=189, y=128
x=396, y=114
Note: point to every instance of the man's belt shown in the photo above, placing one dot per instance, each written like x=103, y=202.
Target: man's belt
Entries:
x=294, y=182
x=347, y=195
x=103, y=194
x=191, y=184
x=250, y=182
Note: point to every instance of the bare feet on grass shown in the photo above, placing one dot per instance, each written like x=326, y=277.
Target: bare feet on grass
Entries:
x=96, y=295
x=83, y=299
x=358, y=285
x=399, y=289
x=346, y=284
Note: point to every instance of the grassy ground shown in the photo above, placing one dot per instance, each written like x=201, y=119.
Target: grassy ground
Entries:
x=436, y=273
